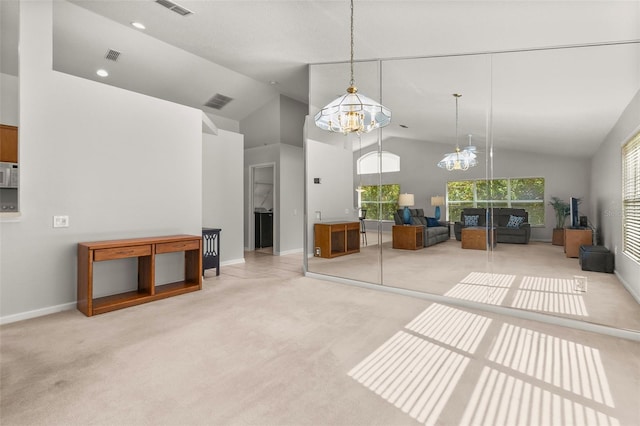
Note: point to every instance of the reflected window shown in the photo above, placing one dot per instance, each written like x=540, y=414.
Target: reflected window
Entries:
x=519, y=193
x=631, y=197
x=370, y=162
x=380, y=201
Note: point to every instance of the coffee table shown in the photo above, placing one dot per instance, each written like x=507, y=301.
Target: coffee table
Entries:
x=476, y=238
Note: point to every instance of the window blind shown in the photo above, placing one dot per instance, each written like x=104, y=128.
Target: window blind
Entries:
x=631, y=197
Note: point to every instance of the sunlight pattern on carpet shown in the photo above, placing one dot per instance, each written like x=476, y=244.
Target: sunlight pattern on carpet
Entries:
x=553, y=295
x=412, y=373
x=437, y=322
x=483, y=287
x=562, y=363
x=502, y=399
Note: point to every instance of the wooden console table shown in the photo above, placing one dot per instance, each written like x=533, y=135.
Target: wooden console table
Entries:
x=145, y=249
x=407, y=237
x=333, y=239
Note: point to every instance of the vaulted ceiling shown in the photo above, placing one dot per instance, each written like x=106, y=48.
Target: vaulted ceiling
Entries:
x=252, y=51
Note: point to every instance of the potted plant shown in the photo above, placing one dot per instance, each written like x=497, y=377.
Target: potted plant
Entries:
x=562, y=210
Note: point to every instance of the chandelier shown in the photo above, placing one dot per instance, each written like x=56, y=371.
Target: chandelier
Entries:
x=460, y=159
x=353, y=112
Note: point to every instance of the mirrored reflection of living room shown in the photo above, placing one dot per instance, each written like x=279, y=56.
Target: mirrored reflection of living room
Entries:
x=455, y=198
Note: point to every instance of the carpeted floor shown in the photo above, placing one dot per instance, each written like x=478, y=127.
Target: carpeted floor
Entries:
x=535, y=276
x=262, y=345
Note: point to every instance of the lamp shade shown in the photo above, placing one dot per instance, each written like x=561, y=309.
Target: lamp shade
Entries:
x=438, y=200
x=405, y=200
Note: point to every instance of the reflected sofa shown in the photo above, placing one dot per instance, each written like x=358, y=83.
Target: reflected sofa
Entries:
x=433, y=232
x=517, y=232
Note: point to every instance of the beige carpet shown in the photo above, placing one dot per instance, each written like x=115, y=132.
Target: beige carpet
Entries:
x=262, y=345
x=535, y=276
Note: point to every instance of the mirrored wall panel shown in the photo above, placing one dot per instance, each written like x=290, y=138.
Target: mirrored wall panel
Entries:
x=473, y=189
x=342, y=226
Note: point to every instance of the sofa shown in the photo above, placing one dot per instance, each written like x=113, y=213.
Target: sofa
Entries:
x=512, y=225
x=433, y=232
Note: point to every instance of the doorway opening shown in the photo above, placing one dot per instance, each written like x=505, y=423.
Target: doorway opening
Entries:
x=262, y=201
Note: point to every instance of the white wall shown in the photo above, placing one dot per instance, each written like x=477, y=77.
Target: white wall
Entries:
x=291, y=208
x=9, y=85
x=419, y=175
x=118, y=163
x=224, y=123
x=333, y=195
x=222, y=191
x=262, y=127
x=606, y=194
x=292, y=115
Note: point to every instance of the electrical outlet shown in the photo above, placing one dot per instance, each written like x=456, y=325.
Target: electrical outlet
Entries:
x=61, y=221
x=317, y=252
x=346, y=211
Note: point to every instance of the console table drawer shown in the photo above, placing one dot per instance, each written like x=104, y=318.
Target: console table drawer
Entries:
x=121, y=252
x=177, y=246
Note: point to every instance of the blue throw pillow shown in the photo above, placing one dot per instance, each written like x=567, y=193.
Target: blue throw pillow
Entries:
x=432, y=221
x=515, y=221
x=471, y=220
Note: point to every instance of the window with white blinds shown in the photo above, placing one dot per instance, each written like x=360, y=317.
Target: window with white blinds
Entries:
x=631, y=197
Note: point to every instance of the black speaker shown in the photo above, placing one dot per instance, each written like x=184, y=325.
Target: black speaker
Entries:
x=583, y=222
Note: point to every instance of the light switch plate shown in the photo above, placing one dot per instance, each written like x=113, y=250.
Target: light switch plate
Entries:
x=61, y=221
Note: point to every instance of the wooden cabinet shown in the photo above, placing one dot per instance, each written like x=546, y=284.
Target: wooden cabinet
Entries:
x=574, y=238
x=145, y=249
x=408, y=237
x=8, y=144
x=336, y=239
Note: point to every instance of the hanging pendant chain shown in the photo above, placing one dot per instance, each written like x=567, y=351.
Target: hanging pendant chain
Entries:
x=457, y=146
x=352, y=82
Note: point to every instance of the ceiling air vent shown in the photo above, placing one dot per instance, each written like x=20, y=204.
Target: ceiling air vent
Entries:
x=112, y=55
x=174, y=7
x=218, y=101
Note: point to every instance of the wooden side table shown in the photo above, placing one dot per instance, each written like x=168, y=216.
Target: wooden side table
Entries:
x=476, y=238
x=408, y=237
x=574, y=238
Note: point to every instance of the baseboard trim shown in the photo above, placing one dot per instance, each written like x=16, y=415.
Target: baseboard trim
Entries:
x=501, y=310
x=37, y=313
x=232, y=262
x=8, y=319
x=630, y=289
x=286, y=252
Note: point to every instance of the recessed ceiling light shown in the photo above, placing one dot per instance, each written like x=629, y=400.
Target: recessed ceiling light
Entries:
x=102, y=73
x=273, y=82
x=139, y=25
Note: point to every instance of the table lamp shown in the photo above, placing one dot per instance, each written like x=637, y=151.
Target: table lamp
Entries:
x=406, y=200
x=437, y=201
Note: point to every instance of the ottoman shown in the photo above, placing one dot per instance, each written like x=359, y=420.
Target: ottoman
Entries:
x=596, y=258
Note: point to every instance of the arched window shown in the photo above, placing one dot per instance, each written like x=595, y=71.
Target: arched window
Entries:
x=369, y=163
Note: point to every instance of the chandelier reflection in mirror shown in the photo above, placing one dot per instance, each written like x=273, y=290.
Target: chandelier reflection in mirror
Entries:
x=353, y=112
x=460, y=159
